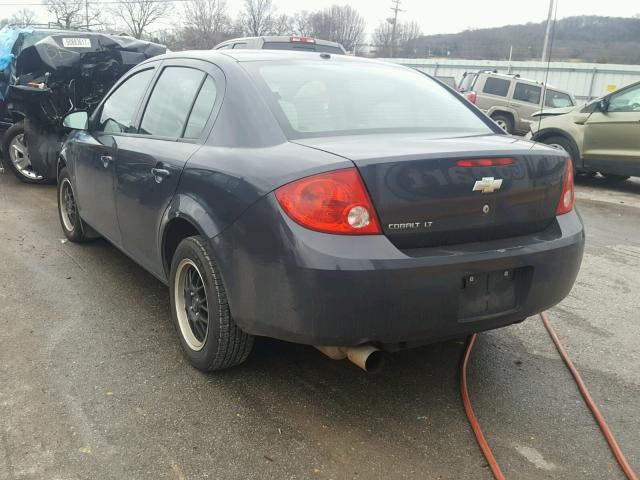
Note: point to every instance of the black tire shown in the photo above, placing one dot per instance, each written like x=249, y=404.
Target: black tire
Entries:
x=15, y=133
x=70, y=221
x=220, y=343
x=505, y=122
x=611, y=178
x=568, y=147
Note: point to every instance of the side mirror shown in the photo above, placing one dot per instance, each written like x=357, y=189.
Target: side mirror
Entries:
x=76, y=121
x=603, y=105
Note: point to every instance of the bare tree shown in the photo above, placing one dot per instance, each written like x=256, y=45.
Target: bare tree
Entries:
x=258, y=17
x=282, y=25
x=339, y=23
x=67, y=13
x=206, y=24
x=138, y=15
x=23, y=17
x=406, y=34
x=301, y=23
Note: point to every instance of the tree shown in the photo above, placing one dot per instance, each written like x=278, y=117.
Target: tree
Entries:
x=67, y=13
x=301, y=23
x=23, y=17
x=207, y=23
x=282, y=25
x=138, y=15
x=257, y=19
x=406, y=34
x=338, y=23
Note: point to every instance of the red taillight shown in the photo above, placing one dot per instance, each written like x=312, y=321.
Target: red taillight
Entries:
x=485, y=162
x=565, y=205
x=333, y=202
x=472, y=97
x=302, y=39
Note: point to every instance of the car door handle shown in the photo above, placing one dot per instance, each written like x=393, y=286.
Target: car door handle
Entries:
x=160, y=173
x=106, y=160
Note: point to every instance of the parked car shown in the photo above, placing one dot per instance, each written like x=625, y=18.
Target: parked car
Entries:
x=53, y=72
x=281, y=42
x=511, y=100
x=281, y=194
x=602, y=136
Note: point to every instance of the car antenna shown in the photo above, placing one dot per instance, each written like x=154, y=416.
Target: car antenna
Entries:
x=546, y=76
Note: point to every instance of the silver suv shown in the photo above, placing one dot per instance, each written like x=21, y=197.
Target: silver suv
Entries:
x=511, y=100
x=282, y=42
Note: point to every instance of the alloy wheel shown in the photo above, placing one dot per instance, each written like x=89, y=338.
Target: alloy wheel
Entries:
x=68, y=207
x=192, y=308
x=19, y=157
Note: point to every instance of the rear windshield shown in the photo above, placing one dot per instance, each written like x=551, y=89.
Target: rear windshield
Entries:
x=323, y=98
x=310, y=47
x=468, y=81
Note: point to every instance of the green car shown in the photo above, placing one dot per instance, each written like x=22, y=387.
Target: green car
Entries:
x=602, y=136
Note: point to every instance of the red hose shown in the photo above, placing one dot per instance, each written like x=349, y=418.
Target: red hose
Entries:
x=473, y=421
x=615, y=449
x=482, y=442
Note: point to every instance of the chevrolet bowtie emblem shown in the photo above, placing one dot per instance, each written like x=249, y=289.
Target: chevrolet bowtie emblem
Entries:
x=487, y=185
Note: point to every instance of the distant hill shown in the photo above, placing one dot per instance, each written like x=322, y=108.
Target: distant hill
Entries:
x=585, y=39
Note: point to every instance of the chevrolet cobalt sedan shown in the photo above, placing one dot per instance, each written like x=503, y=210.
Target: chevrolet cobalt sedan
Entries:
x=344, y=203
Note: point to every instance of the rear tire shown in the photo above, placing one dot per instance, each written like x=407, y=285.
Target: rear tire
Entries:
x=567, y=146
x=504, y=122
x=72, y=224
x=210, y=338
x=15, y=155
x=611, y=178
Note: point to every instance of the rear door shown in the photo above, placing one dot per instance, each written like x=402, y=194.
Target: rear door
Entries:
x=526, y=100
x=611, y=138
x=172, y=127
x=97, y=152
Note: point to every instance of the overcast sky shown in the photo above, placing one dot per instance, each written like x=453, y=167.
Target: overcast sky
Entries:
x=454, y=16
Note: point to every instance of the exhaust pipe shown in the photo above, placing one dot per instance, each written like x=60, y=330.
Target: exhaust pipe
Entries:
x=366, y=356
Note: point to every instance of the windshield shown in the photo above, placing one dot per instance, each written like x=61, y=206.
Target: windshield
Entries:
x=323, y=98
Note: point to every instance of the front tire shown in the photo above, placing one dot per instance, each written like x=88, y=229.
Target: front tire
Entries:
x=70, y=221
x=564, y=144
x=210, y=338
x=15, y=155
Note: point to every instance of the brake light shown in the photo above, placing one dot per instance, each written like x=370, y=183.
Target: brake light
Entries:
x=565, y=205
x=334, y=202
x=485, y=162
x=302, y=39
x=472, y=97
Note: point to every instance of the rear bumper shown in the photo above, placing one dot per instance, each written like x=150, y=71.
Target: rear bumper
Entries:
x=286, y=282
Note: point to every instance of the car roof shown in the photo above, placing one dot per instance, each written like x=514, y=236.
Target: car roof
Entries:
x=280, y=38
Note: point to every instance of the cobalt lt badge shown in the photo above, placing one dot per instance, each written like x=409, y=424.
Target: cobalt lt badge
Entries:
x=487, y=185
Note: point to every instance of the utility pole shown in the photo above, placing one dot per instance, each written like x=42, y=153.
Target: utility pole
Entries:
x=396, y=9
x=86, y=12
x=548, y=32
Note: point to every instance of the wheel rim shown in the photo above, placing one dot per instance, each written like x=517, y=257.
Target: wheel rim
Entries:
x=192, y=308
x=68, y=207
x=503, y=125
x=20, y=160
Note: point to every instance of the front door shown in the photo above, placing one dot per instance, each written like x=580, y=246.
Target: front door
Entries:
x=611, y=138
x=97, y=154
x=151, y=162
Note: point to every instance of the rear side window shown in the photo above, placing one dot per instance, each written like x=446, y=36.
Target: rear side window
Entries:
x=555, y=99
x=496, y=86
x=527, y=93
x=201, y=109
x=171, y=101
x=118, y=111
x=239, y=45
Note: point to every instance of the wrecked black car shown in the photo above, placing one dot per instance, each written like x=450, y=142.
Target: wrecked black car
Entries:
x=48, y=74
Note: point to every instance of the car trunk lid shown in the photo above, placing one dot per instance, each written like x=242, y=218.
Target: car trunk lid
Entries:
x=424, y=197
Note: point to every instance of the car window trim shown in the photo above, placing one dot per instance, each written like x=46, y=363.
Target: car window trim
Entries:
x=193, y=102
x=142, y=112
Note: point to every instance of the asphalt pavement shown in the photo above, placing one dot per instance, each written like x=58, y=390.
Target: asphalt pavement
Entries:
x=93, y=384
